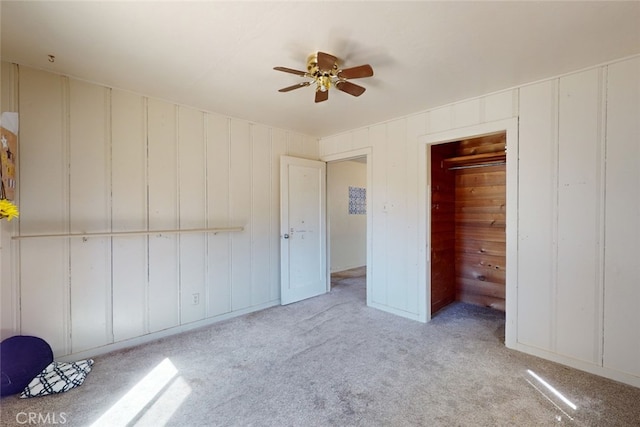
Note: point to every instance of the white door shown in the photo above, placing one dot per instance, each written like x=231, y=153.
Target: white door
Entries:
x=302, y=229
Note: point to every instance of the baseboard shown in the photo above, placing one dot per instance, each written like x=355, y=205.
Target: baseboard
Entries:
x=602, y=371
x=340, y=269
x=143, y=339
x=401, y=313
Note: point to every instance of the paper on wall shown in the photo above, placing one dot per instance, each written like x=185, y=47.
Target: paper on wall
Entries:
x=9, y=121
x=8, y=153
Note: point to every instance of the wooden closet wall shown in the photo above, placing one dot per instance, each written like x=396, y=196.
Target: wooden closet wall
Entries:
x=468, y=204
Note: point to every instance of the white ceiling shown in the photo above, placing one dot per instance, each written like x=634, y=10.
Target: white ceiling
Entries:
x=219, y=56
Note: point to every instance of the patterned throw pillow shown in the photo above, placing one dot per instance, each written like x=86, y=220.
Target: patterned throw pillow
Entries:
x=58, y=377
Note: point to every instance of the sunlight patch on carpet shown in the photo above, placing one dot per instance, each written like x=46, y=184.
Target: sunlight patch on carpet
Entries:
x=157, y=396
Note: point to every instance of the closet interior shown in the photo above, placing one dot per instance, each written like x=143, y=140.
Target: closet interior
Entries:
x=468, y=212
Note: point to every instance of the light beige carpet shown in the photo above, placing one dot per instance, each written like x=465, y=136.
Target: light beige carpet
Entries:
x=332, y=361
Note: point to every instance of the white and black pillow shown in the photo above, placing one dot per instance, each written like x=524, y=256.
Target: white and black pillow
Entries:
x=58, y=377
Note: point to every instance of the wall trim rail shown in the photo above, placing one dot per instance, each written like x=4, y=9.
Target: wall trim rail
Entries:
x=131, y=233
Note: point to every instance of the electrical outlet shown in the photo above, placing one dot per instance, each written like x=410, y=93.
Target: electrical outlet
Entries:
x=195, y=299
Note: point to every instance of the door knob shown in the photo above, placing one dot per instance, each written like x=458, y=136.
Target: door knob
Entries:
x=286, y=236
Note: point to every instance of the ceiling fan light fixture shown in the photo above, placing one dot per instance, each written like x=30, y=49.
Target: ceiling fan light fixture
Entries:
x=323, y=70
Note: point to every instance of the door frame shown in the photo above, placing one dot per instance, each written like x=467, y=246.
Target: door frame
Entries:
x=510, y=127
x=347, y=155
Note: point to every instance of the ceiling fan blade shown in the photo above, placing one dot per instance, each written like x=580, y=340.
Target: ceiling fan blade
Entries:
x=356, y=72
x=296, y=86
x=322, y=96
x=326, y=61
x=350, y=88
x=290, y=70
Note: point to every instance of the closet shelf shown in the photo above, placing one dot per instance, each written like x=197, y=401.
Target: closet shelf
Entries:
x=475, y=159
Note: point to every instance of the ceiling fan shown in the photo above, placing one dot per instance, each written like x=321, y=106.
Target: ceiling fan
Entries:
x=324, y=72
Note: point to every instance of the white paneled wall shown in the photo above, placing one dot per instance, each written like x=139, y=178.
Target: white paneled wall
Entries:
x=129, y=213
x=578, y=291
x=398, y=273
x=89, y=206
x=580, y=220
x=622, y=219
x=537, y=217
x=95, y=159
x=578, y=210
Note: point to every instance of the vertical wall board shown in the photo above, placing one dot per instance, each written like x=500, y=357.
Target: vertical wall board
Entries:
x=416, y=126
x=218, y=245
x=260, y=214
x=498, y=106
x=466, y=113
x=44, y=298
x=378, y=194
x=278, y=149
x=240, y=209
x=44, y=264
x=328, y=146
x=128, y=213
x=163, y=292
x=192, y=204
x=360, y=139
x=311, y=147
x=622, y=219
x=341, y=143
x=537, y=214
x=89, y=202
x=578, y=303
x=440, y=119
x=295, y=145
x=397, y=230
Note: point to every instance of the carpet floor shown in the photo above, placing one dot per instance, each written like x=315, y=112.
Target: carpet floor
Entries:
x=333, y=361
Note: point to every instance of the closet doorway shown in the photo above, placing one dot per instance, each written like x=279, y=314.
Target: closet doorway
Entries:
x=468, y=222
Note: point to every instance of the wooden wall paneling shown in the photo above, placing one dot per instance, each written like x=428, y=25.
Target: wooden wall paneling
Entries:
x=218, y=245
x=486, y=144
x=480, y=205
x=129, y=213
x=261, y=214
x=89, y=201
x=164, y=295
x=278, y=149
x=378, y=195
x=578, y=300
x=192, y=205
x=43, y=195
x=396, y=212
x=537, y=214
x=442, y=214
x=240, y=208
x=622, y=220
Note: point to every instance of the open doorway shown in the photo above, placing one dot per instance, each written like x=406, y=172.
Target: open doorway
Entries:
x=468, y=222
x=347, y=221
